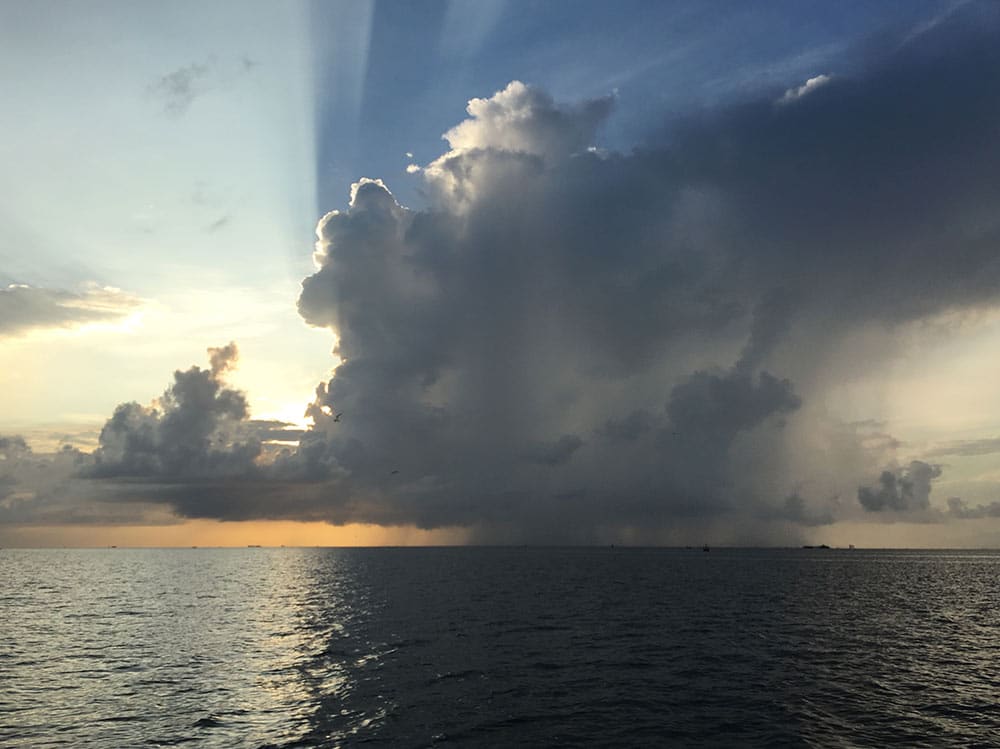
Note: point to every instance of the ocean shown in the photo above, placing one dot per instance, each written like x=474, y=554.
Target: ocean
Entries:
x=499, y=647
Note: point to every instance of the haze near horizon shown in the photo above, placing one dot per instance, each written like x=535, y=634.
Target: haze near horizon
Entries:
x=365, y=274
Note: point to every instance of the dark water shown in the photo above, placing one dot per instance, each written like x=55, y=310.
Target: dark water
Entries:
x=499, y=647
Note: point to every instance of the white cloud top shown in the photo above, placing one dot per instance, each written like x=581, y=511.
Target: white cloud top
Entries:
x=809, y=86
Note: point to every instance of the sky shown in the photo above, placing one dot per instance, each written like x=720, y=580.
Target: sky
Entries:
x=343, y=273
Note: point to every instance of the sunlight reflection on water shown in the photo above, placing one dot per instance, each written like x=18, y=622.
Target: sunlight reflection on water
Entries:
x=485, y=647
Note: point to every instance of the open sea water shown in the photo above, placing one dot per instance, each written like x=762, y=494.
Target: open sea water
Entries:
x=476, y=647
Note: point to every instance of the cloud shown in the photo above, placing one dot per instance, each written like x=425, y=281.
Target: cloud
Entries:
x=13, y=446
x=957, y=508
x=571, y=343
x=177, y=90
x=809, y=86
x=965, y=448
x=524, y=119
x=196, y=431
x=223, y=359
x=39, y=488
x=649, y=303
x=903, y=490
x=219, y=223
x=475, y=343
x=712, y=408
x=192, y=452
x=515, y=132
x=796, y=510
x=627, y=429
x=554, y=453
x=273, y=430
x=24, y=308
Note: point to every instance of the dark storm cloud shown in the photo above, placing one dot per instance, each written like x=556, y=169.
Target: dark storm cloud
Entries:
x=873, y=197
x=711, y=409
x=627, y=429
x=575, y=344
x=796, y=510
x=903, y=490
x=555, y=290
x=771, y=320
x=553, y=453
x=23, y=308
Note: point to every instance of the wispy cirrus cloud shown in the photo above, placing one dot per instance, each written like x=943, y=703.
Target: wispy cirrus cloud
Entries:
x=966, y=448
x=177, y=90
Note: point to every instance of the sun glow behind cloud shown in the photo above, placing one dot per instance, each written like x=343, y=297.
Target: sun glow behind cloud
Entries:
x=201, y=162
x=541, y=386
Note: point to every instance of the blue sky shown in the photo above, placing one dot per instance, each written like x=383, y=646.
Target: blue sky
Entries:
x=408, y=83
x=164, y=167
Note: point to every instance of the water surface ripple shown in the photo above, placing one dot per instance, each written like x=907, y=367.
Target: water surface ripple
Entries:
x=498, y=647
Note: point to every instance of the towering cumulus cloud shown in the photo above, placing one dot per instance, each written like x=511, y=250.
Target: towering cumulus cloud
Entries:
x=575, y=344
x=195, y=431
x=569, y=341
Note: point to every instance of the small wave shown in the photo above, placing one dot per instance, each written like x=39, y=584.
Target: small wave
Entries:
x=209, y=721
x=547, y=666
x=409, y=642
x=466, y=674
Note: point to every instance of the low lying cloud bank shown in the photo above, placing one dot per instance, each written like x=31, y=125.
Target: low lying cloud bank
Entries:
x=575, y=344
x=24, y=308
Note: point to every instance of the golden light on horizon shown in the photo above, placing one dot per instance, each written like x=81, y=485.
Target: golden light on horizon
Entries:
x=215, y=533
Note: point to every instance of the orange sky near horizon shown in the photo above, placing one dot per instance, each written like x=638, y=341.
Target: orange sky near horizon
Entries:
x=236, y=534
x=214, y=533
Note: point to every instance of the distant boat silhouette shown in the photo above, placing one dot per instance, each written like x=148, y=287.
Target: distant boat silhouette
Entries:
x=705, y=548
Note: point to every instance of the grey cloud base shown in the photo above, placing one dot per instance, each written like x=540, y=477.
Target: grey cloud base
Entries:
x=573, y=336
x=570, y=344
